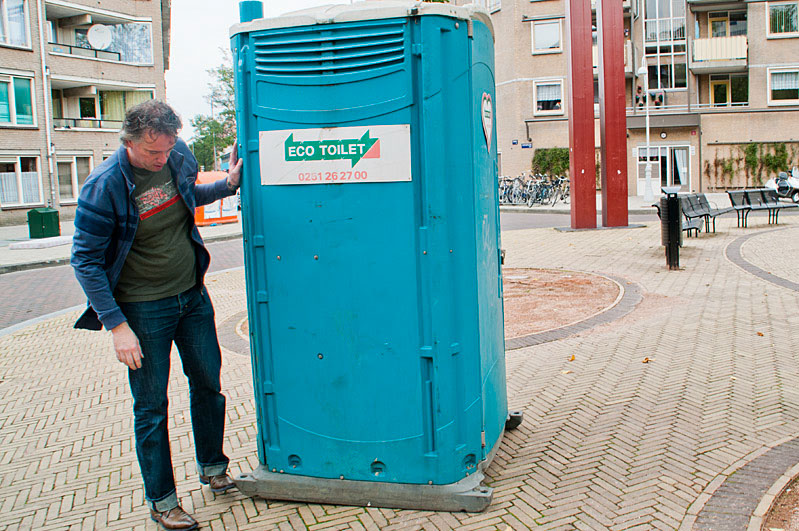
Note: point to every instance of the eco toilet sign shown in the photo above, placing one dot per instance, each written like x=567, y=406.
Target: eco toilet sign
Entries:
x=362, y=154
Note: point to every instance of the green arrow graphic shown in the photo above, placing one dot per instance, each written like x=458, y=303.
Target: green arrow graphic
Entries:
x=345, y=149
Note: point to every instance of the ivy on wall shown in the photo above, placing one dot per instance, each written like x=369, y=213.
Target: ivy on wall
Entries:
x=555, y=162
x=750, y=164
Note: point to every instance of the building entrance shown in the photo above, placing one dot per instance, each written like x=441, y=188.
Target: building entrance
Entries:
x=670, y=167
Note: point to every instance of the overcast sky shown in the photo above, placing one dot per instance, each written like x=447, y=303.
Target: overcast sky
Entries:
x=199, y=29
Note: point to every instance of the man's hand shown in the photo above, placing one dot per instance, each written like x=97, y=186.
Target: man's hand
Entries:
x=234, y=177
x=127, y=346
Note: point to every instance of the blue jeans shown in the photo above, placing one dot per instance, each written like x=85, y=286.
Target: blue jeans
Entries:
x=188, y=320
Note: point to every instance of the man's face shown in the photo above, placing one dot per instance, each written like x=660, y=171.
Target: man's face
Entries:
x=151, y=151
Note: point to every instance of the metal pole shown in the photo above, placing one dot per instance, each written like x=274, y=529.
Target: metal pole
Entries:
x=648, y=195
x=213, y=135
x=47, y=96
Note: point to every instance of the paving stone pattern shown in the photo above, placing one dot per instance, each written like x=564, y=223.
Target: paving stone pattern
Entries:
x=31, y=293
x=731, y=506
x=608, y=441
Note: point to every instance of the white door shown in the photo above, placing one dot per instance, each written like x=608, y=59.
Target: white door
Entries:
x=670, y=167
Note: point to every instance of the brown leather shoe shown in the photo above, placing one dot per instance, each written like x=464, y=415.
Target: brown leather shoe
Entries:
x=175, y=518
x=219, y=483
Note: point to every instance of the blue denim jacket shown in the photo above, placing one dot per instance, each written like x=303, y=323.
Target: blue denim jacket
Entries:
x=106, y=222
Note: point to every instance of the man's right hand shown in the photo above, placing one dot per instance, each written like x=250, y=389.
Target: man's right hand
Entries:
x=127, y=346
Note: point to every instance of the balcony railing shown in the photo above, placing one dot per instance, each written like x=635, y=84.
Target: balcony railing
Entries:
x=84, y=52
x=682, y=108
x=720, y=49
x=720, y=106
x=86, y=123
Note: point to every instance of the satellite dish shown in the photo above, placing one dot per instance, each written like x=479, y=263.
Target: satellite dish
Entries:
x=100, y=36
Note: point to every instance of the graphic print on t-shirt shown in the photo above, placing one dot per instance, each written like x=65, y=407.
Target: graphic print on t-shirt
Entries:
x=157, y=199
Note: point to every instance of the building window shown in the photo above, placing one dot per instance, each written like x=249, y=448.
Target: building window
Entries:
x=665, y=45
x=729, y=90
x=727, y=24
x=114, y=104
x=16, y=100
x=548, y=96
x=664, y=21
x=14, y=23
x=783, y=19
x=784, y=87
x=88, y=107
x=20, y=182
x=72, y=173
x=490, y=5
x=547, y=36
x=668, y=72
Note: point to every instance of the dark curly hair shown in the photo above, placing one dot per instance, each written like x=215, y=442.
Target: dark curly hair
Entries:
x=152, y=116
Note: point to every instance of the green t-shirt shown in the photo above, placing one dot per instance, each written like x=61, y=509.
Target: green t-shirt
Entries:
x=162, y=260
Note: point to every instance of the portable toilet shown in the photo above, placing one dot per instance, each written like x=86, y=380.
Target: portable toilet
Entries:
x=372, y=256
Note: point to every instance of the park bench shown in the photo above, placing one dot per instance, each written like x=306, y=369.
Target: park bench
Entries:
x=757, y=199
x=772, y=200
x=689, y=224
x=697, y=207
x=709, y=211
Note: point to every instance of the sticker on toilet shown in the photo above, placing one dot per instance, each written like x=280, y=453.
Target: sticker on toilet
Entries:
x=487, y=115
x=362, y=154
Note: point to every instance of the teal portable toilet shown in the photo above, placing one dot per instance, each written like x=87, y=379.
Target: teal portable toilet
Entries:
x=372, y=260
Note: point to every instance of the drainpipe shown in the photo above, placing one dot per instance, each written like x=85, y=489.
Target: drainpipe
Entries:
x=47, y=94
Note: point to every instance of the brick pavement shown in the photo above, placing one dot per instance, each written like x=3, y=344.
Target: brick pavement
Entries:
x=32, y=293
x=608, y=441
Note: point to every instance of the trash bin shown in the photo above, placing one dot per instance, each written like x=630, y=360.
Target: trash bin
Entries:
x=671, y=225
x=43, y=223
x=372, y=256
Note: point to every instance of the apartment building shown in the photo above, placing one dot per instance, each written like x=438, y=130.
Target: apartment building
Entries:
x=721, y=77
x=68, y=72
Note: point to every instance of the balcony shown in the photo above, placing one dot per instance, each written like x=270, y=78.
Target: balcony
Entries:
x=98, y=34
x=628, y=59
x=78, y=106
x=86, y=123
x=717, y=55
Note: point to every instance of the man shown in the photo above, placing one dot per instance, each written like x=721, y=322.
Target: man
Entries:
x=141, y=261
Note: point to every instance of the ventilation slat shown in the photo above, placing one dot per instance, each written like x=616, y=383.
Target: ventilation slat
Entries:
x=261, y=53
x=337, y=68
x=330, y=49
x=307, y=58
x=304, y=36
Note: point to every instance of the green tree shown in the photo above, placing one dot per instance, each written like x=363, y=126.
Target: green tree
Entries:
x=209, y=134
x=212, y=134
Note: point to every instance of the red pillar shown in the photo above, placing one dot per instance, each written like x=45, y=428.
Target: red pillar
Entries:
x=582, y=167
x=612, y=113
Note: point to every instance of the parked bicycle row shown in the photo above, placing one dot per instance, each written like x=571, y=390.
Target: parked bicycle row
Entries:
x=533, y=190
